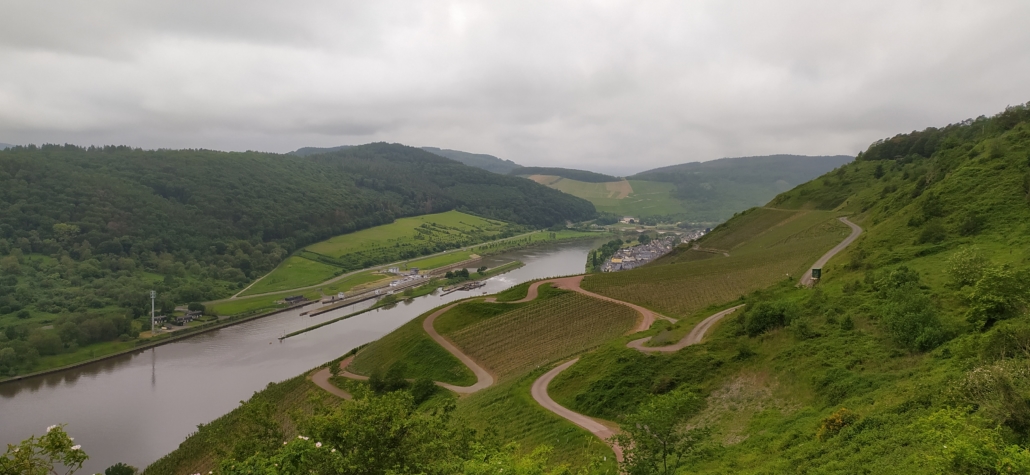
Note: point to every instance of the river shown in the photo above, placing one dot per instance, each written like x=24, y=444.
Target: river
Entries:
x=138, y=407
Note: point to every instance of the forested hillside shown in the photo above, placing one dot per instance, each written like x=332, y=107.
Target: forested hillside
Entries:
x=570, y=173
x=86, y=233
x=478, y=160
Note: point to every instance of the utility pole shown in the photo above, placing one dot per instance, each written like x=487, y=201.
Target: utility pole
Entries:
x=153, y=329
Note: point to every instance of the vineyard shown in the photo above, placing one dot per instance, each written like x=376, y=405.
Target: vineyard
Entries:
x=764, y=251
x=419, y=355
x=542, y=331
x=746, y=226
x=508, y=410
x=405, y=238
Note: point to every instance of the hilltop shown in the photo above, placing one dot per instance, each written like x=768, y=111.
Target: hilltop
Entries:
x=569, y=173
x=697, y=192
x=478, y=160
x=86, y=233
x=4, y=146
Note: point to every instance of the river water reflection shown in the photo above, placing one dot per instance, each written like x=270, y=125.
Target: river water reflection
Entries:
x=138, y=407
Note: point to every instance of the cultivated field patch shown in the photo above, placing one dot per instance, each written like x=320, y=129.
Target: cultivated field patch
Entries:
x=542, y=331
x=769, y=254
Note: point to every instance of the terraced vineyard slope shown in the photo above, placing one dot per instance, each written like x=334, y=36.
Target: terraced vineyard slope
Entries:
x=765, y=246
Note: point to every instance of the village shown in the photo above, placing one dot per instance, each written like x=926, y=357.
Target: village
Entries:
x=636, y=256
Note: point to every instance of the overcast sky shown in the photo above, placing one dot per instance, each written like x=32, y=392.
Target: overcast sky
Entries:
x=610, y=86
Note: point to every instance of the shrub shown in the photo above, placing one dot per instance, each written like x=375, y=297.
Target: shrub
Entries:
x=999, y=294
x=966, y=266
x=765, y=316
x=911, y=320
x=423, y=389
x=837, y=421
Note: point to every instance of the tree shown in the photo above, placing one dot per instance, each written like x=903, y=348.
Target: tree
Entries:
x=652, y=439
x=195, y=306
x=966, y=266
x=121, y=469
x=43, y=455
x=1000, y=293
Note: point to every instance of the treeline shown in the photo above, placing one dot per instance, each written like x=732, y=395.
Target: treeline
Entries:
x=85, y=233
x=924, y=143
x=570, y=173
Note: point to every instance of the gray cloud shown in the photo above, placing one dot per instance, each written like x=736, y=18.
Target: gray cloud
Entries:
x=612, y=86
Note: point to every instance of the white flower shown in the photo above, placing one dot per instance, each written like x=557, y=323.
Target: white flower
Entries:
x=302, y=437
x=334, y=450
x=76, y=447
x=71, y=438
x=48, y=429
x=318, y=445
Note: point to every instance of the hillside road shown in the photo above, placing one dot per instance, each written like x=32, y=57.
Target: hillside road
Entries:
x=806, y=280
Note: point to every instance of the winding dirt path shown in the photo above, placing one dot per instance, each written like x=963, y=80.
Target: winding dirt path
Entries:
x=539, y=392
x=806, y=280
x=692, y=338
x=647, y=317
x=484, y=378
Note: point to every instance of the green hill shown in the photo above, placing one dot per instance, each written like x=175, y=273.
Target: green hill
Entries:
x=570, y=173
x=907, y=357
x=698, y=192
x=712, y=191
x=86, y=233
x=478, y=160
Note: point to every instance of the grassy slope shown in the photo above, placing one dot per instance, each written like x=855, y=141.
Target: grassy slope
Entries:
x=298, y=271
x=419, y=354
x=778, y=248
x=949, y=410
x=400, y=231
x=648, y=197
x=198, y=454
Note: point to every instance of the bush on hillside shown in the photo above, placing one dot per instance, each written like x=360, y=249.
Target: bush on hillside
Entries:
x=910, y=319
x=764, y=316
x=1000, y=293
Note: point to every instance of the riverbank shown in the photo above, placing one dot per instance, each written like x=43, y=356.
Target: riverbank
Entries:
x=437, y=262
x=163, y=339
x=420, y=291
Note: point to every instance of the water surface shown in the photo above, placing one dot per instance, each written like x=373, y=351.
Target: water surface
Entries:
x=136, y=408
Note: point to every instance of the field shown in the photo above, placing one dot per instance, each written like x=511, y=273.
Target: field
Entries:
x=292, y=273
x=781, y=247
x=405, y=238
x=624, y=198
x=411, y=234
x=420, y=356
x=541, y=331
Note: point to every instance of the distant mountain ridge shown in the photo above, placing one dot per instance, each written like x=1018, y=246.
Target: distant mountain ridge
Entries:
x=479, y=160
x=5, y=146
x=716, y=189
x=569, y=173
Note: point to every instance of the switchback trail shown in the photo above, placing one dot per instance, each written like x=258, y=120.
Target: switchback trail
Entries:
x=692, y=338
x=484, y=378
x=539, y=390
x=806, y=280
x=647, y=317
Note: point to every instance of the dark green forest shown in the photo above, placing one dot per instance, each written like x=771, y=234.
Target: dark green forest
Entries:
x=85, y=233
x=479, y=160
x=570, y=173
